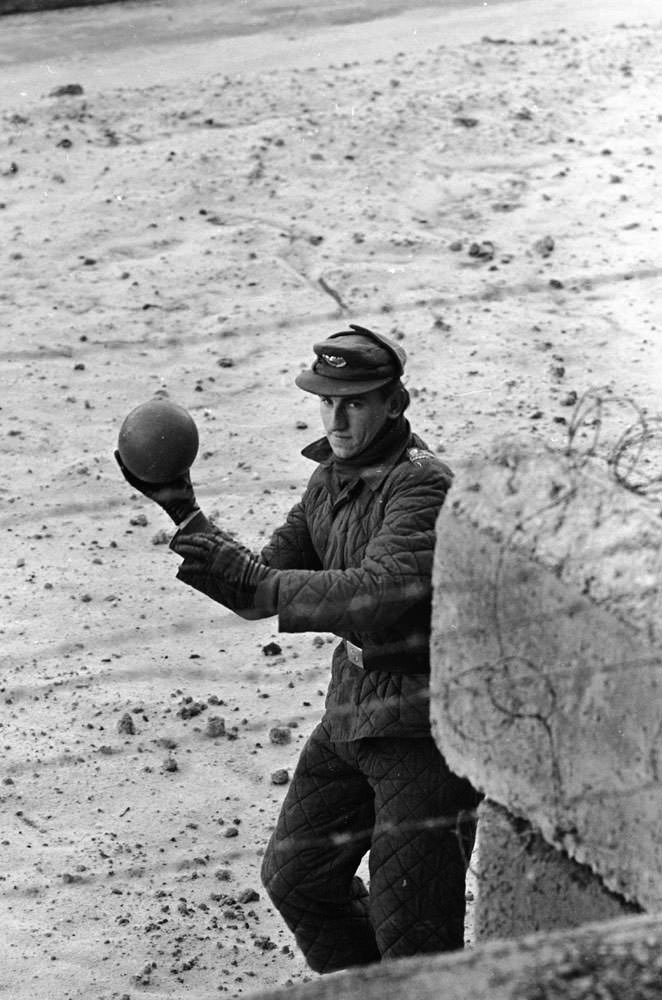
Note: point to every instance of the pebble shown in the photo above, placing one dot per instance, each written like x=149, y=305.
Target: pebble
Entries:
x=215, y=726
x=190, y=709
x=280, y=777
x=280, y=735
x=248, y=896
x=67, y=90
x=126, y=725
x=482, y=251
x=545, y=246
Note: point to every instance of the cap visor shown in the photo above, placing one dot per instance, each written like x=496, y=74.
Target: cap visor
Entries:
x=322, y=386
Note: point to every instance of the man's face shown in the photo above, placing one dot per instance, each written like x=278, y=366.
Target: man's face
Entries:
x=351, y=422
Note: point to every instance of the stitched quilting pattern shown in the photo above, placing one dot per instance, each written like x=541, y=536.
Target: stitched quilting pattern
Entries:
x=397, y=799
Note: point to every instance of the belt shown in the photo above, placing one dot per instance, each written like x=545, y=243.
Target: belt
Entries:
x=354, y=653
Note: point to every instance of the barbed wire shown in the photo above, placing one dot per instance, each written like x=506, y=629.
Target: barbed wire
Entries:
x=462, y=824
x=626, y=453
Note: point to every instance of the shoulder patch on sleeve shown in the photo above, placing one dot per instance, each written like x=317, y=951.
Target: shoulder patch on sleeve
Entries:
x=419, y=456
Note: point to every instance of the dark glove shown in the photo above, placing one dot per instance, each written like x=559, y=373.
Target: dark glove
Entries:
x=226, y=570
x=176, y=498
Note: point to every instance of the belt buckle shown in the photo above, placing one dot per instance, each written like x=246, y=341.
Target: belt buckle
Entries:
x=354, y=653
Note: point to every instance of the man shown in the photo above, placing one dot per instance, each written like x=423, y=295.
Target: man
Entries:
x=354, y=557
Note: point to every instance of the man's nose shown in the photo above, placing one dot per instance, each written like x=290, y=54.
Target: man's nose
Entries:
x=339, y=416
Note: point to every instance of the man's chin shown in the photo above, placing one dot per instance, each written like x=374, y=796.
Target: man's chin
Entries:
x=342, y=449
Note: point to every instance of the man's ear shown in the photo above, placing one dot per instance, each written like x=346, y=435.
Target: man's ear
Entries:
x=394, y=406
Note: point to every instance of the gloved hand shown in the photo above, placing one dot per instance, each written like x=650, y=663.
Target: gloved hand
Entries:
x=176, y=498
x=237, y=577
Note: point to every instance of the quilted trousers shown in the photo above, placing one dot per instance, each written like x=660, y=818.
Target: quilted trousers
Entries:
x=397, y=799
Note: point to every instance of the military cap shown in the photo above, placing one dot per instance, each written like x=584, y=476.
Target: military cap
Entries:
x=352, y=362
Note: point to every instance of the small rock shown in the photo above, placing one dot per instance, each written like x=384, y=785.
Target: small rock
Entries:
x=456, y=245
x=170, y=764
x=265, y=943
x=545, y=246
x=67, y=90
x=126, y=725
x=465, y=121
x=570, y=399
x=280, y=777
x=248, y=896
x=272, y=649
x=139, y=521
x=190, y=709
x=215, y=726
x=231, y=831
x=482, y=251
x=280, y=735
x=161, y=537
x=70, y=879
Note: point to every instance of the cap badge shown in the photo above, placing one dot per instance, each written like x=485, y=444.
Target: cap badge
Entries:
x=334, y=360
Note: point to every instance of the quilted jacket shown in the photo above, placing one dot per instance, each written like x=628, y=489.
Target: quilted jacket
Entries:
x=358, y=563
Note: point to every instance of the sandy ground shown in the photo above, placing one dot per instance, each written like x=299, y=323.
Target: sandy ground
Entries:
x=481, y=183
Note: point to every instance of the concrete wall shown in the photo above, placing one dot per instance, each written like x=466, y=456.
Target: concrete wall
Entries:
x=524, y=885
x=619, y=960
x=547, y=659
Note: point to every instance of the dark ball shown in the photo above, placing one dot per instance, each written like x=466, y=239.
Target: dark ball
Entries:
x=158, y=441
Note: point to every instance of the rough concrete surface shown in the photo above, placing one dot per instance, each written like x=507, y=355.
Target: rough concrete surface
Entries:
x=525, y=885
x=546, y=643
x=612, y=960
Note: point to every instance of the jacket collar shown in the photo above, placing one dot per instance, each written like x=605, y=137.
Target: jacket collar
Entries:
x=374, y=472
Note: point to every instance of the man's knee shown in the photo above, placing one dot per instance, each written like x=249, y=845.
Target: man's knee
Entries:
x=270, y=873
x=283, y=875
